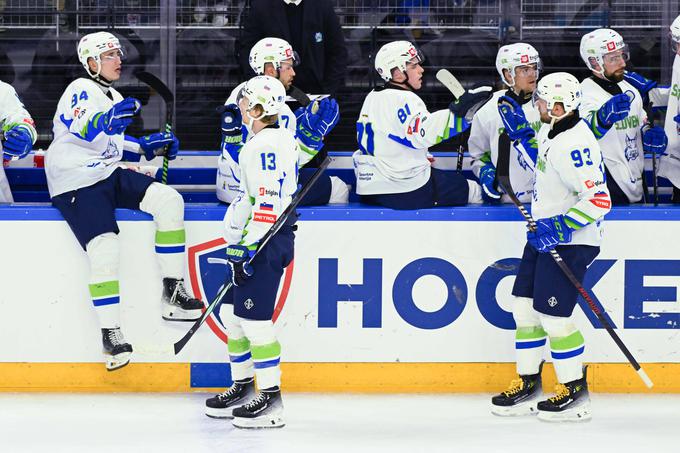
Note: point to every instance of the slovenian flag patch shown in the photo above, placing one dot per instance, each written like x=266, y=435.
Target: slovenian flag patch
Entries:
x=266, y=207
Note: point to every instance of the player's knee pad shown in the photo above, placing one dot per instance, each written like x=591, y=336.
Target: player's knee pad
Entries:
x=104, y=254
x=523, y=312
x=474, y=192
x=339, y=191
x=232, y=324
x=557, y=327
x=166, y=206
x=259, y=332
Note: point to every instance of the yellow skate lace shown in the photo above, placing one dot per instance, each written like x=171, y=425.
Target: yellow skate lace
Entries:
x=516, y=386
x=561, y=391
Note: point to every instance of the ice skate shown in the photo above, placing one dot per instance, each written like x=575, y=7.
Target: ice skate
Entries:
x=521, y=397
x=116, y=350
x=178, y=305
x=570, y=403
x=265, y=411
x=222, y=405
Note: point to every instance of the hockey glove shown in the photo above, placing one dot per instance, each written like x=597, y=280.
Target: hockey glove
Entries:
x=549, y=233
x=487, y=178
x=18, y=143
x=654, y=140
x=641, y=83
x=471, y=98
x=155, y=145
x=118, y=118
x=240, y=268
x=305, y=135
x=232, y=124
x=512, y=115
x=615, y=109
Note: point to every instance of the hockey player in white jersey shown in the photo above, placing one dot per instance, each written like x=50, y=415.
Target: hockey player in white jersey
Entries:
x=669, y=165
x=276, y=58
x=269, y=164
x=87, y=183
x=569, y=201
x=519, y=66
x=395, y=130
x=18, y=134
x=614, y=108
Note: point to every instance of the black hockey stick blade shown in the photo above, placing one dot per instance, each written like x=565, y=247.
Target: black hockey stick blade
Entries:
x=157, y=84
x=299, y=95
x=503, y=176
x=283, y=218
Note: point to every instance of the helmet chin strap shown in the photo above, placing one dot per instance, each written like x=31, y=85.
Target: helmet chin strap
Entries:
x=97, y=77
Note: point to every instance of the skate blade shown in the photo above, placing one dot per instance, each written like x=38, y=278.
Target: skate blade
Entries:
x=174, y=313
x=219, y=413
x=518, y=410
x=574, y=415
x=117, y=362
x=258, y=422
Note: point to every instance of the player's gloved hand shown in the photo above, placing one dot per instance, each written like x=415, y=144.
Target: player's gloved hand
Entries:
x=471, y=98
x=119, y=117
x=654, y=140
x=549, y=233
x=615, y=109
x=305, y=133
x=487, y=178
x=241, y=270
x=641, y=83
x=159, y=144
x=232, y=123
x=512, y=115
x=320, y=119
x=18, y=143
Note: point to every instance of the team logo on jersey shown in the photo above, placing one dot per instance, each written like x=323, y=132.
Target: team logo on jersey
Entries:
x=522, y=162
x=207, y=271
x=631, y=151
x=111, y=150
x=552, y=301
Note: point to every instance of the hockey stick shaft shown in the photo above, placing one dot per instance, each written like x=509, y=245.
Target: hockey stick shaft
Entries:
x=649, y=109
x=504, y=181
x=283, y=218
x=164, y=92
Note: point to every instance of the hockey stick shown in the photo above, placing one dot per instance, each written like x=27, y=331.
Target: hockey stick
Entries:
x=263, y=242
x=164, y=92
x=453, y=85
x=503, y=175
x=649, y=109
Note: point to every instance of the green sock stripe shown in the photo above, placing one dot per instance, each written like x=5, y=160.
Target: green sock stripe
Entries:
x=573, y=341
x=103, y=289
x=238, y=345
x=171, y=237
x=266, y=351
x=530, y=333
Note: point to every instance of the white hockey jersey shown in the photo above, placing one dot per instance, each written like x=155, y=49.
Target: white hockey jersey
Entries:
x=394, y=132
x=669, y=165
x=486, y=127
x=268, y=180
x=80, y=156
x=12, y=114
x=228, y=171
x=622, y=144
x=570, y=180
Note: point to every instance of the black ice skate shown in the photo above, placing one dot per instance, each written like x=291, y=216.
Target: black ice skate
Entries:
x=265, y=411
x=222, y=405
x=521, y=397
x=178, y=305
x=570, y=403
x=116, y=350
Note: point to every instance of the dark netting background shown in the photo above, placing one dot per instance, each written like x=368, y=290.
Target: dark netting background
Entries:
x=191, y=44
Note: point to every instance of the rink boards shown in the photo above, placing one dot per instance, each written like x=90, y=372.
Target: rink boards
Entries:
x=376, y=300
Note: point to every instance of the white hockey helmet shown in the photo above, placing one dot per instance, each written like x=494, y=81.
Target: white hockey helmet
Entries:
x=266, y=91
x=598, y=43
x=271, y=50
x=559, y=87
x=395, y=55
x=513, y=55
x=675, y=34
x=93, y=45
